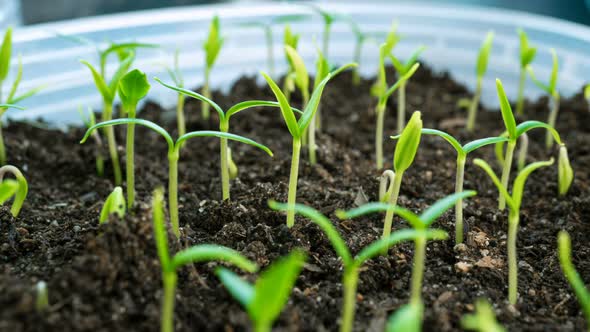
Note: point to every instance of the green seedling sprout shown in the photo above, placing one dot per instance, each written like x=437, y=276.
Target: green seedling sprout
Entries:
x=176, y=77
x=513, y=132
x=483, y=319
x=224, y=117
x=265, y=300
x=565, y=173
x=174, y=148
x=405, y=152
x=133, y=87
x=300, y=79
x=514, y=201
x=89, y=122
x=551, y=90
x=407, y=318
x=421, y=226
x=480, y=70
x=268, y=35
x=564, y=246
x=360, y=39
x=328, y=19
x=391, y=40
x=527, y=55
x=13, y=188
x=386, y=185
x=297, y=129
x=462, y=152
x=170, y=264
x=212, y=46
x=587, y=94
x=292, y=40
x=114, y=204
x=352, y=265
x=406, y=70
x=41, y=297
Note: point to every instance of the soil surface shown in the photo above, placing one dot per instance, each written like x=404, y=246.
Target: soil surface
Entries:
x=107, y=278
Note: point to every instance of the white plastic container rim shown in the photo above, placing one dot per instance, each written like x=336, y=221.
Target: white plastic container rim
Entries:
x=451, y=33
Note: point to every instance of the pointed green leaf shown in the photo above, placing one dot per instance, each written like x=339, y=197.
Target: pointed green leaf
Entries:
x=212, y=252
x=194, y=95
x=533, y=124
x=407, y=145
x=484, y=54
x=442, y=205
x=391, y=40
x=213, y=44
x=286, y=111
x=503, y=191
x=376, y=207
x=478, y=143
x=100, y=83
x=253, y=103
x=402, y=80
x=518, y=186
x=301, y=75
x=322, y=69
x=506, y=109
x=527, y=53
x=114, y=204
x=564, y=171
x=241, y=290
x=25, y=95
x=5, y=54
x=219, y=134
x=397, y=64
x=114, y=48
x=124, y=66
x=587, y=91
x=452, y=140
x=8, y=189
x=290, y=38
x=17, y=80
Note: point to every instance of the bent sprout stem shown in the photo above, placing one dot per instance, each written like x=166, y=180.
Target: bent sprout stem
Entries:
x=564, y=247
x=21, y=189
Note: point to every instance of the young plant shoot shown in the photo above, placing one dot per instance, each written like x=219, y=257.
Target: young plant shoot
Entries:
x=265, y=300
x=513, y=132
x=462, y=152
x=292, y=40
x=133, y=87
x=328, y=19
x=212, y=46
x=196, y=254
x=89, y=122
x=483, y=319
x=360, y=39
x=353, y=265
x=514, y=201
x=114, y=204
x=404, y=70
x=527, y=55
x=41, y=297
x=173, y=155
x=480, y=70
x=551, y=90
x=301, y=81
x=297, y=129
x=564, y=247
x=17, y=188
x=176, y=77
x=322, y=70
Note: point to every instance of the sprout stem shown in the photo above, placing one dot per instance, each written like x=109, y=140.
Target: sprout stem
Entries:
x=112, y=143
x=521, y=84
x=2, y=148
x=513, y=220
x=206, y=93
x=293, y=182
x=401, y=107
x=397, y=182
x=386, y=185
x=418, y=268
x=169, y=280
x=269, y=46
x=311, y=147
x=173, y=157
x=224, y=169
x=356, y=76
x=350, y=281
x=506, y=173
x=522, y=151
x=180, y=115
x=552, y=119
x=21, y=193
x=130, y=166
x=380, y=110
x=473, y=106
x=459, y=205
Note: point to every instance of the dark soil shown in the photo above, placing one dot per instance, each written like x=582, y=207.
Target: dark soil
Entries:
x=107, y=278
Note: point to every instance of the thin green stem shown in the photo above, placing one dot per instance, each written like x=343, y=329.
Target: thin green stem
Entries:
x=205, y=105
x=401, y=108
x=459, y=205
x=350, y=282
x=418, y=269
x=224, y=153
x=474, y=105
x=107, y=115
x=167, y=321
x=356, y=76
x=311, y=147
x=397, y=182
x=551, y=121
x=293, y=182
x=130, y=166
x=180, y=115
x=173, y=157
x=513, y=220
x=269, y=46
x=521, y=84
x=380, y=110
x=506, y=172
x=522, y=151
x=262, y=327
x=326, y=39
x=2, y=147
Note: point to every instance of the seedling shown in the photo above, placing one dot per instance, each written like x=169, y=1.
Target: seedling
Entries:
x=565, y=260
x=300, y=79
x=408, y=318
x=173, y=155
x=514, y=201
x=297, y=129
x=322, y=70
x=421, y=226
x=513, y=132
x=113, y=205
x=41, y=297
x=267, y=28
x=133, y=87
x=480, y=70
x=527, y=55
x=265, y=300
x=212, y=46
x=352, y=265
x=328, y=19
x=3, y=109
x=360, y=39
x=89, y=122
x=292, y=40
x=483, y=319
x=224, y=117
x=176, y=77
x=462, y=152
x=565, y=173
x=10, y=188
x=404, y=70
x=391, y=40
x=196, y=254
x=551, y=90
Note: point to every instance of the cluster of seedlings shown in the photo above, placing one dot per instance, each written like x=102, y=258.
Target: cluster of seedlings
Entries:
x=265, y=299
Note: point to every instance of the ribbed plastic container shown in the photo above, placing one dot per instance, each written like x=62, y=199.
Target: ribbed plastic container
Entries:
x=452, y=35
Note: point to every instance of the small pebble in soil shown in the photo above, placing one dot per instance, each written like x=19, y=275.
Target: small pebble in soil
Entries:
x=461, y=247
x=77, y=228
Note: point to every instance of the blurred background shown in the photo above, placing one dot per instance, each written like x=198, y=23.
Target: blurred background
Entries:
x=38, y=11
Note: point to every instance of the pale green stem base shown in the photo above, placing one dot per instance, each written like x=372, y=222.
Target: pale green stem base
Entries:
x=506, y=173
x=473, y=106
x=293, y=183
x=2, y=148
x=350, y=282
x=173, y=191
x=513, y=220
x=401, y=108
x=551, y=121
x=204, y=105
x=520, y=100
x=167, y=320
x=112, y=143
x=380, y=110
x=130, y=167
x=180, y=115
x=397, y=182
x=418, y=269
x=459, y=205
x=224, y=169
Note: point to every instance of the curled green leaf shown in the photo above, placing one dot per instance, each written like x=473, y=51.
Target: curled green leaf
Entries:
x=407, y=145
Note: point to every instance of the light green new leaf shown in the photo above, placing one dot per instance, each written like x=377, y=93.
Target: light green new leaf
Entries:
x=219, y=134
x=133, y=87
x=478, y=143
x=114, y=204
x=241, y=290
x=5, y=54
x=301, y=75
x=286, y=111
x=213, y=44
x=503, y=191
x=452, y=140
x=484, y=54
x=533, y=124
x=442, y=205
x=527, y=53
x=289, y=38
x=483, y=320
x=194, y=95
x=407, y=145
x=100, y=83
x=408, y=318
x=573, y=277
x=506, y=109
x=519, y=182
x=403, y=79
x=587, y=91
x=211, y=252
x=8, y=189
x=124, y=66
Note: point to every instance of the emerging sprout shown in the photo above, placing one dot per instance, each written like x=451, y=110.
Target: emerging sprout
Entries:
x=483, y=319
x=352, y=265
x=297, y=129
x=300, y=79
x=329, y=19
x=527, y=55
x=564, y=247
x=462, y=152
x=176, y=77
x=292, y=40
x=224, y=117
x=408, y=318
x=513, y=132
x=565, y=172
x=114, y=204
x=212, y=46
x=89, y=122
x=133, y=87
x=265, y=300
x=10, y=188
x=551, y=90
x=173, y=155
x=514, y=201
x=480, y=71
x=406, y=69
x=360, y=39
x=42, y=297
x=196, y=254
